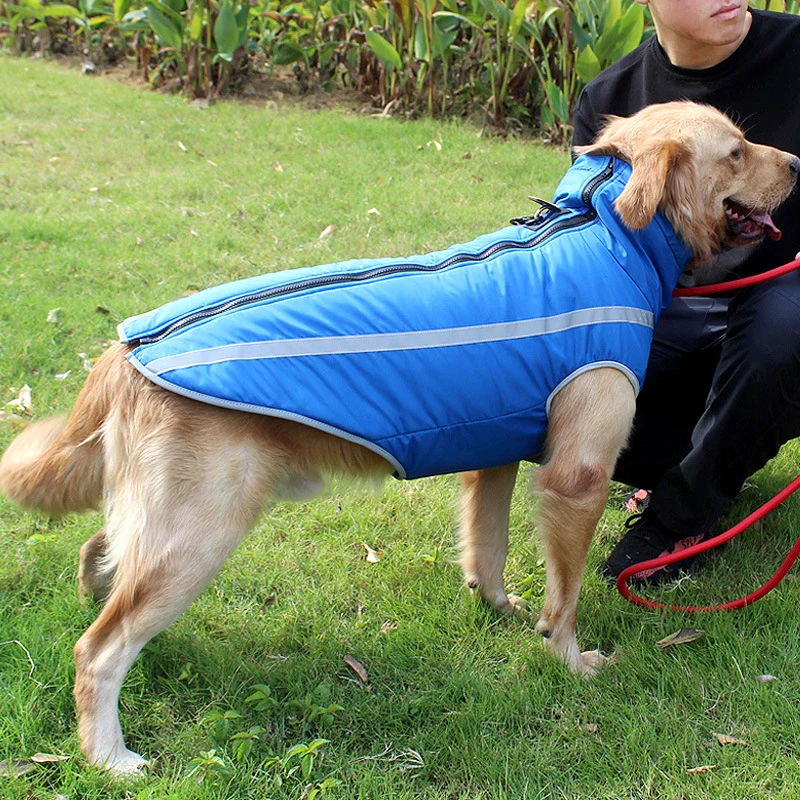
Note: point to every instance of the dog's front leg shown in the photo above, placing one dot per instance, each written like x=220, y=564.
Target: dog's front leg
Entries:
x=590, y=420
x=485, y=503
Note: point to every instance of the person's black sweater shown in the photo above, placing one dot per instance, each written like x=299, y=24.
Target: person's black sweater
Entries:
x=758, y=86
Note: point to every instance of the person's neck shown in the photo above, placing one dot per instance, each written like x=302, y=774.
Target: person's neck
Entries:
x=695, y=55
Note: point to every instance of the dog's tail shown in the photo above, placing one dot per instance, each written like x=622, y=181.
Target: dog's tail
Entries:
x=55, y=465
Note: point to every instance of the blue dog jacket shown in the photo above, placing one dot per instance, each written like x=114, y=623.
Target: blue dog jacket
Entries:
x=440, y=363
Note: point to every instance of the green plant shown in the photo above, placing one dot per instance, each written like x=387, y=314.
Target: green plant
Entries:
x=223, y=722
x=314, y=709
x=601, y=33
x=203, y=41
x=298, y=762
x=261, y=698
x=206, y=765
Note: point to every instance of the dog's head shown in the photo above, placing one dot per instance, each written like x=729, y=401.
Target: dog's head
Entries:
x=716, y=188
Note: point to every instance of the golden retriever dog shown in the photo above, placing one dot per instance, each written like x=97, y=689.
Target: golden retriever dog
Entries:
x=182, y=481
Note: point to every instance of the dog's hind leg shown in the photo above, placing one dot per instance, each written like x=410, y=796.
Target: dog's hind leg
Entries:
x=590, y=420
x=151, y=590
x=485, y=502
x=177, y=507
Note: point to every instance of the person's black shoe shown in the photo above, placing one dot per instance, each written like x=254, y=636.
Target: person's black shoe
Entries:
x=647, y=538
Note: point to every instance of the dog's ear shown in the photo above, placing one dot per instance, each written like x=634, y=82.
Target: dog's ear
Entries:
x=609, y=141
x=649, y=184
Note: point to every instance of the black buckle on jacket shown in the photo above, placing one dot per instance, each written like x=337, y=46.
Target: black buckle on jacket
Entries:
x=540, y=216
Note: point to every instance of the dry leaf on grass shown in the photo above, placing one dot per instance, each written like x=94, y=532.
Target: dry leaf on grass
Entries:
x=47, y=758
x=683, y=636
x=373, y=556
x=766, y=678
x=699, y=770
x=723, y=738
x=358, y=668
x=53, y=314
x=388, y=626
x=23, y=401
x=327, y=232
x=17, y=767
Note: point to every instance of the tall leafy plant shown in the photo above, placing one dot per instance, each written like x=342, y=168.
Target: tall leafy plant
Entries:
x=202, y=42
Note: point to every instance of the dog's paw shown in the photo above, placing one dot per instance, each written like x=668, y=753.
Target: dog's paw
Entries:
x=128, y=766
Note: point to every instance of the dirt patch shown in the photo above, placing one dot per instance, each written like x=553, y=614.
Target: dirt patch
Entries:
x=261, y=87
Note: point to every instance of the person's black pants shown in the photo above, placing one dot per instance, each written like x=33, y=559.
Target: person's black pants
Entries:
x=721, y=395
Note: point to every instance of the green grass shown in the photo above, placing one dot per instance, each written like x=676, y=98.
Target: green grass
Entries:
x=103, y=215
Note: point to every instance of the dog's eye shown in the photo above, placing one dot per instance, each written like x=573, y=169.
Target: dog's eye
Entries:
x=736, y=154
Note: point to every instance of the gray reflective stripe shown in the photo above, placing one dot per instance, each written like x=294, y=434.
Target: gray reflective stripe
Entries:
x=404, y=340
x=267, y=412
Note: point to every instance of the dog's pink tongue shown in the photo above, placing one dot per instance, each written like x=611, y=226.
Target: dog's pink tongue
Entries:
x=764, y=219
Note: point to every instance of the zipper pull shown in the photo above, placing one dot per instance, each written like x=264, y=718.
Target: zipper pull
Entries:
x=540, y=216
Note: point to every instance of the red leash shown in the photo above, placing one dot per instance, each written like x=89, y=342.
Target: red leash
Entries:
x=780, y=574
x=635, y=569
x=739, y=283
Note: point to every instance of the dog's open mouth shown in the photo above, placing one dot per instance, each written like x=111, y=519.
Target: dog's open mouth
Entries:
x=749, y=225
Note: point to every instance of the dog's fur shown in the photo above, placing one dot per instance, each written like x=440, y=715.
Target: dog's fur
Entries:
x=181, y=482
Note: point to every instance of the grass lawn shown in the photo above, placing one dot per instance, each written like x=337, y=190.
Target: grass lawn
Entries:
x=114, y=200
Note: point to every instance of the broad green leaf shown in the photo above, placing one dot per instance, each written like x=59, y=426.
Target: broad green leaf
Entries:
x=443, y=38
x=61, y=10
x=498, y=10
x=242, y=17
x=383, y=49
x=587, y=64
x=421, y=49
x=164, y=28
x=517, y=17
x=613, y=13
x=38, y=11
x=168, y=12
x=632, y=28
x=426, y=7
x=287, y=53
x=226, y=32
x=121, y=8
x=581, y=37
x=459, y=17
x=558, y=102
x=196, y=23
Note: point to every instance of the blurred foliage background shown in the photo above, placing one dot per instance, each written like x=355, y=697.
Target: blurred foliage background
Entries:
x=520, y=63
